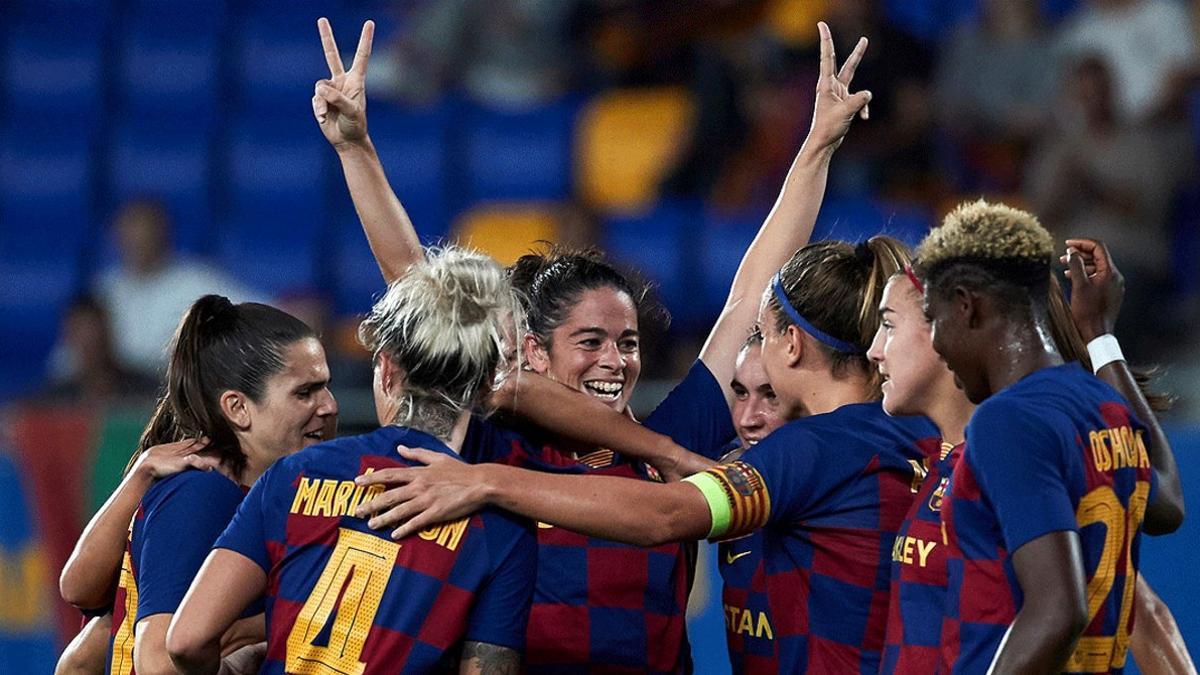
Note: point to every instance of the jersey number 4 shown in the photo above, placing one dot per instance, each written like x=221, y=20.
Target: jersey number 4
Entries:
x=332, y=628
x=1101, y=653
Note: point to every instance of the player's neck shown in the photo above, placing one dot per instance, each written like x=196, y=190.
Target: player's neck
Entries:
x=824, y=395
x=459, y=434
x=950, y=413
x=1023, y=349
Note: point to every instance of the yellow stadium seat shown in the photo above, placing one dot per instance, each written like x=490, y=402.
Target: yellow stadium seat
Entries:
x=508, y=230
x=794, y=22
x=625, y=142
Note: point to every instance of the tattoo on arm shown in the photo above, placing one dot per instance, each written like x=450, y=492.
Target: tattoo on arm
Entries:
x=491, y=659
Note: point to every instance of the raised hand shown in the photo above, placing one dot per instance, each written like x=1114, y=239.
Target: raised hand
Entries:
x=340, y=102
x=835, y=106
x=1097, y=287
x=168, y=459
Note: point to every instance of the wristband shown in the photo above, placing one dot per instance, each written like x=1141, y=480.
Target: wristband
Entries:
x=1103, y=351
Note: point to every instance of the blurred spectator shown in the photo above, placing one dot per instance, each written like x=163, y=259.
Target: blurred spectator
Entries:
x=1148, y=45
x=993, y=92
x=1100, y=175
x=507, y=53
x=149, y=290
x=84, y=367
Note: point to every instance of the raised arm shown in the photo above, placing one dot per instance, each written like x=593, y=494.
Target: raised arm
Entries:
x=340, y=106
x=89, y=578
x=619, y=509
x=581, y=418
x=1097, y=289
x=790, y=223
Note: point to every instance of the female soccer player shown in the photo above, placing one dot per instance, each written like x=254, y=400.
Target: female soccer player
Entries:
x=917, y=382
x=340, y=597
x=828, y=490
x=1058, y=468
x=252, y=381
x=583, y=334
x=756, y=413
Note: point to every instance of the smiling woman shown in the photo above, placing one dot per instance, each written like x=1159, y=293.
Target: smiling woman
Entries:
x=583, y=323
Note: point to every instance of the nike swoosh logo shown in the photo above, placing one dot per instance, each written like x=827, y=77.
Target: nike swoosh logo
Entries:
x=730, y=558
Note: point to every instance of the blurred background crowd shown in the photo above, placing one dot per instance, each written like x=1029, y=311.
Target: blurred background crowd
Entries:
x=155, y=150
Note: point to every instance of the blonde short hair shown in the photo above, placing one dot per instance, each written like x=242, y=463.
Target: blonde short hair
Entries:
x=449, y=324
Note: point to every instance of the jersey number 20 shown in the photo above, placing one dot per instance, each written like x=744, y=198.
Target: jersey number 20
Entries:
x=330, y=632
x=1101, y=653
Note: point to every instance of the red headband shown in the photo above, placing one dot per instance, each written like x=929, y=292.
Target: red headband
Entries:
x=912, y=276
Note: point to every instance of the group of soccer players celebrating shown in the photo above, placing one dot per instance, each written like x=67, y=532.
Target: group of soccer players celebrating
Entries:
x=933, y=463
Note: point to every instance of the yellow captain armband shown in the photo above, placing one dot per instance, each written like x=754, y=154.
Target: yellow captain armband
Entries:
x=737, y=499
x=718, y=502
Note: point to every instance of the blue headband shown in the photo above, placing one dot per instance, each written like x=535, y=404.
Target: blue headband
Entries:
x=821, y=336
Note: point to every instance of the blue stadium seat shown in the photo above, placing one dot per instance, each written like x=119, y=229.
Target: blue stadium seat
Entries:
x=277, y=57
x=52, y=68
x=46, y=191
x=523, y=155
x=357, y=281
x=168, y=158
x=657, y=244
x=724, y=239
x=170, y=59
x=277, y=208
x=414, y=148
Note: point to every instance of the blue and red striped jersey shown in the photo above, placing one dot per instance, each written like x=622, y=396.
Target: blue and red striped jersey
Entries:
x=171, y=534
x=918, y=598
x=829, y=491
x=746, y=603
x=601, y=606
x=1059, y=450
x=344, y=598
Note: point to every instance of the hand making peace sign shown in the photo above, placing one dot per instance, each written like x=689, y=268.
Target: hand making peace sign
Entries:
x=835, y=106
x=340, y=102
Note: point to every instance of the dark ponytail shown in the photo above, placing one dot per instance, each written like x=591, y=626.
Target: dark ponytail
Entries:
x=219, y=347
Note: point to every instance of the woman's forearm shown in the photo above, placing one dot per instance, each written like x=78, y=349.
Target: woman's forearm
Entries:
x=620, y=509
x=389, y=230
x=89, y=578
x=581, y=418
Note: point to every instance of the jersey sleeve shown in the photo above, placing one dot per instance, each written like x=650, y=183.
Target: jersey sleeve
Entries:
x=247, y=532
x=501, y=610
x=695, y=414
x=178, y=531
x=775, y=481
x=1018, y=460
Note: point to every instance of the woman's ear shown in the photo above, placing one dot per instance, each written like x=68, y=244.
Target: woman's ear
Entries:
x=537, y=357
x=234, y=407
x=794, y=344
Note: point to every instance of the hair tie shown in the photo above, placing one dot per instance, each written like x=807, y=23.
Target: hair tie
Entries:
x=912, y=276
x=819, y=335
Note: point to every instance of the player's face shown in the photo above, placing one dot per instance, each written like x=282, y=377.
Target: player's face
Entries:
x=903, y=352
x=948, y=334
x=597, y=349
x=756, y=411
x=296, y=409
